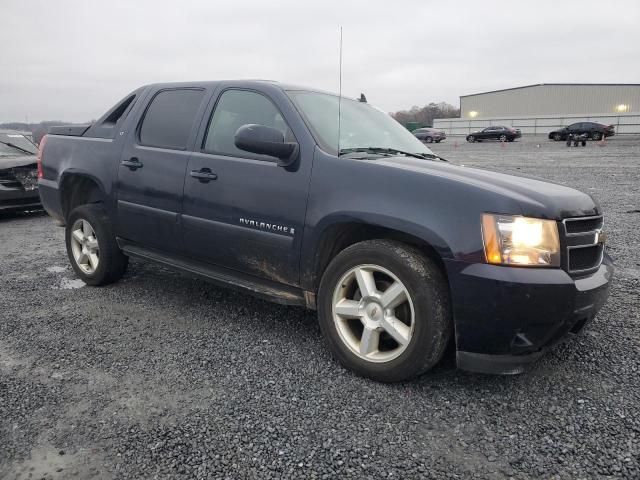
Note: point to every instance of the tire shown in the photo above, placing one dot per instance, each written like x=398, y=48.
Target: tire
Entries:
x=423, y=312
x=596, y=136
x=471, y=139
x=557, y=137
x=503, y=138
x=96, y=239
x=428, y=140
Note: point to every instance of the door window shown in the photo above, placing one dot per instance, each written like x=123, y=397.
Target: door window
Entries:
x=169, y=118
x=235, y=109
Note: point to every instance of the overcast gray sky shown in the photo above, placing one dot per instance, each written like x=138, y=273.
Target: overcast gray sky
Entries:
x=71, y=60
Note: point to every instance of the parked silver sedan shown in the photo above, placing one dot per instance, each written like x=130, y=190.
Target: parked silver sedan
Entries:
x=429, y=135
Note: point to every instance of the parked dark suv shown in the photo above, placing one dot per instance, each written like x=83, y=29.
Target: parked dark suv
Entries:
x=595, y=131
x=429, y=135
x=255, y=185
x=504, y=134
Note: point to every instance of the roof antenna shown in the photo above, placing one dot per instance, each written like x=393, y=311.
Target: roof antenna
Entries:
x=340, y=91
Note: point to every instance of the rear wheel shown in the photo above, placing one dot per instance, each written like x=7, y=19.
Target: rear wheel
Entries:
x=503, y=138
x=92, y=248
x=383, y=309
x=471, y=139
x=557, y=137
x=596, y=135
x=428, y=139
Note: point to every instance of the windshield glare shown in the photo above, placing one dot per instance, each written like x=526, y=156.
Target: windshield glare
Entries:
x=361, y=125
x=20, y=141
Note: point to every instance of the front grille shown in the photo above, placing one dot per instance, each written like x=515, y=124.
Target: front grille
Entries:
x=576, y=225
x=584, y=258
x=584, y=244
x=8, y=179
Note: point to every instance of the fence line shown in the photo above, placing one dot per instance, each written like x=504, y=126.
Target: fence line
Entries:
x=624, y=123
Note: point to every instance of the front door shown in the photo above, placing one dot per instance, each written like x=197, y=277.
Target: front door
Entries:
x=152, y=169
x=241, y=210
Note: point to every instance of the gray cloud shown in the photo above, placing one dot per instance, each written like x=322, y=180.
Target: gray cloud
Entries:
x=71, y=60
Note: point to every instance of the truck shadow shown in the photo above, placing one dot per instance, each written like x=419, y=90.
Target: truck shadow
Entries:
x=293, y=328
x=10, y=216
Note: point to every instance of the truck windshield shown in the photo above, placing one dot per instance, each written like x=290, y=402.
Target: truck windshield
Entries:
x=363, y=128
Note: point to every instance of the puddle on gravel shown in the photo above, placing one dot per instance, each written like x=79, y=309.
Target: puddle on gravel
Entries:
x=70, y=284
x=56, y=269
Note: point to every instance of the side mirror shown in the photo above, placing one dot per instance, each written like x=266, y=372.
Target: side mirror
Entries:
x=265, y=140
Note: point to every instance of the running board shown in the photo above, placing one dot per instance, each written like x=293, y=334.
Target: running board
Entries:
x=266, y=289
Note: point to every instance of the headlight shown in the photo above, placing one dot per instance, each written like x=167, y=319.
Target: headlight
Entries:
x=522, y=241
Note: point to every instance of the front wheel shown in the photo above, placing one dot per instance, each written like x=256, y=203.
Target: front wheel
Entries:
x=383, y=309
x=428, y=140
x=503, y=138
x=596, y=135
x=92, y=248
x=557, y=137
x=471, y=139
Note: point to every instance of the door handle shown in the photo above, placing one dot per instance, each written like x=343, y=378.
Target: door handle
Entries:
x=132, y=164
x=204, y=175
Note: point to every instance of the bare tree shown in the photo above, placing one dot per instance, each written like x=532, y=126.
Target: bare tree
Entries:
x=424, y=116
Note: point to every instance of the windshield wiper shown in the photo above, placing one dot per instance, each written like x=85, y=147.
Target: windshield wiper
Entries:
x=390, y=151
x=9, y=144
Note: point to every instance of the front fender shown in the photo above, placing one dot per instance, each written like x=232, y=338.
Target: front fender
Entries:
x=316, y=235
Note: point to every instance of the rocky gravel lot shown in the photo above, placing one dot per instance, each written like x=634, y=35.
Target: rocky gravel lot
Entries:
x=164, y=376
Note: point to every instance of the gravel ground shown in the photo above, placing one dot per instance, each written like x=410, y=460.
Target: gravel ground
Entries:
x=163, y=376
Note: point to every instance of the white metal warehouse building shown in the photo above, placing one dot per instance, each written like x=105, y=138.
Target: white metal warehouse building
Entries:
x=539, y=109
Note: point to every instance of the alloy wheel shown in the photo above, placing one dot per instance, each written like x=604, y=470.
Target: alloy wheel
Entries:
x=84, y=246
x=373, y=313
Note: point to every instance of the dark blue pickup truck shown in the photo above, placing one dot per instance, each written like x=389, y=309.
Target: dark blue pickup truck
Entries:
x=307, y=198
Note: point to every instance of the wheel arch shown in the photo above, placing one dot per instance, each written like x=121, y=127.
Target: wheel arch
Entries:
x=339, y=233
x=79, y=188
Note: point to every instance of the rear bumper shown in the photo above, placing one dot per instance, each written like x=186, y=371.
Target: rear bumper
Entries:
x=505, y=318
x=12, y=200
x=50, y=197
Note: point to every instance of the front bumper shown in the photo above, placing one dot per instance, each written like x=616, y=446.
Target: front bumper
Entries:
x=12, y=200
x=506, y=317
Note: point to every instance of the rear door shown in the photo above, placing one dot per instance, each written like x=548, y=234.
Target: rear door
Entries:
x=590, y=127
x=576, y=128
x=249, y=214
x=152, y=169
x=489, y=133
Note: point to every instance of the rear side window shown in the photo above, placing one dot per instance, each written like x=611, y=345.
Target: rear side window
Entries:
x=169, y=118
x=235, y=109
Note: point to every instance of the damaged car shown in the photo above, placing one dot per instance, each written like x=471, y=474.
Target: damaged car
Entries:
x=18, y=173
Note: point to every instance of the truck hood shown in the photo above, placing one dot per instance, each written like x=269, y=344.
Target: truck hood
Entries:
x=537, y=198
x=17, y=161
